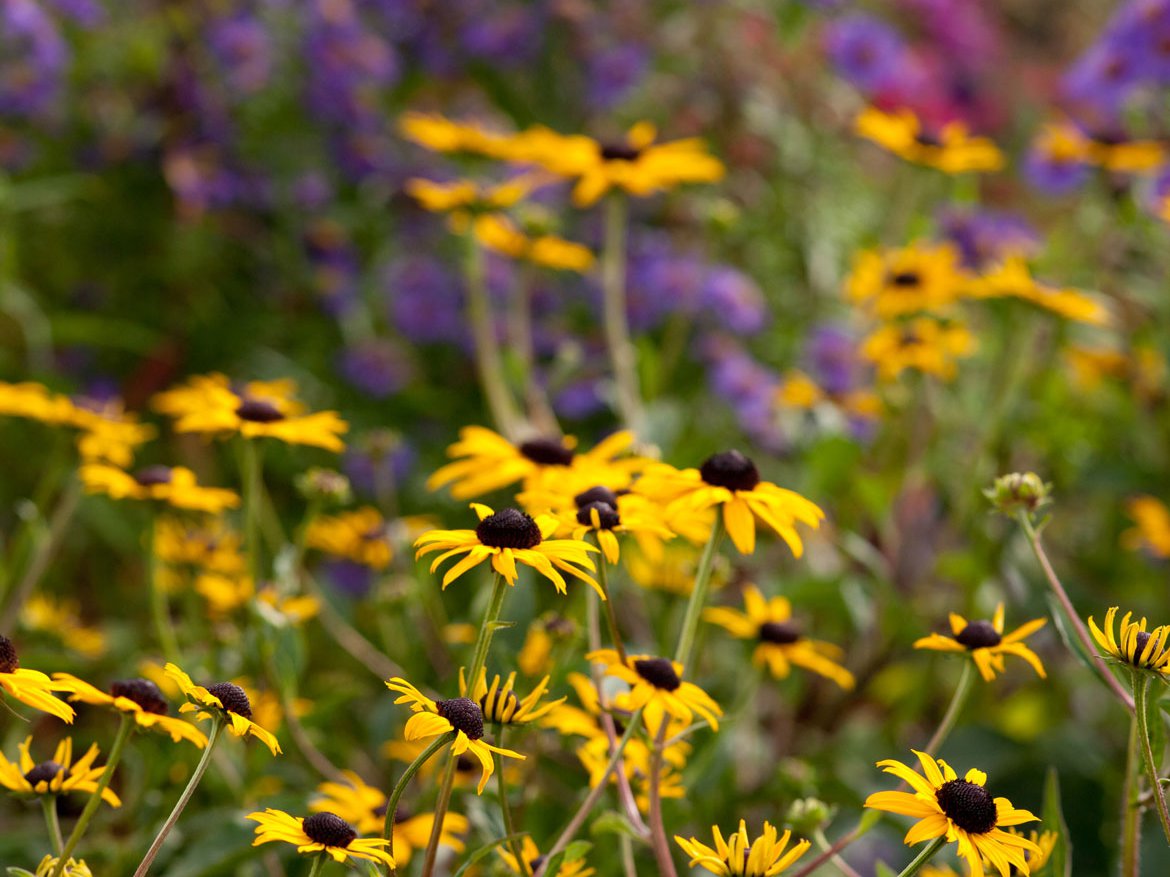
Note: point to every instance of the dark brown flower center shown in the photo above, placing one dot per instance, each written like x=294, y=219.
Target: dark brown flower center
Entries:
x=1139, y=645
x=258, y=410
x=143, y=692
x=9, y=660
x=607, y=515
x=152, y=475
x=45, y=772
x=596, y=494
x=508, y=528
x=779, y=632
x=535, y=863
x=969, y=805
x=905, y=278
x=979, y=635
x=730, y=469
x=619, y=152
x=927, y=138
x=329, y=829
x=233, y=698
x=659, y=672
x=465, y=764
x=464, y=715
x=547, y=452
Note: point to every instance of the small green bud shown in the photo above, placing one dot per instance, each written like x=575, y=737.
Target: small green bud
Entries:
x=1019, y=491
x=808, y=815
x=324, y=485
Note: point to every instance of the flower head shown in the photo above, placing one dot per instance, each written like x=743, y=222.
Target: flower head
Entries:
x=361, y=536
x=656, y=685
x=174, y=486
x=924, y=344
x=1152, y=526
x=1133, y=644
x=321, y=832
x=224, y=700
x=30, y=687
x=739, y=855
x=499, y=703
x=58, y=775
x=986, y=643
x=949, y=149
x=140, y=698
x=962, y=810
x=73, y=868
x=908, y=280
x=500, y=235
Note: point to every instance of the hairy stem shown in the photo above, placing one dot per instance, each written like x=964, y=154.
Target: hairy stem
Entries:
x=403, y=781
x=925, y=856
x=1141, y=692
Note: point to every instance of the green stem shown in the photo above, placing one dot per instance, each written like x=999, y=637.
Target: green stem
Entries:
x=540, y=411
x=1131, y=808
x=160, y=609
x=318, y=864
x=403, y=781
x=686, y=637
x=622, y=355
x=958, y=701
x=95, y=799
x=1141, y=691
x=610, y=616
x=839, y=863
x=181, y=804
x=441, y=804
x=657, y=828
x=488, y=361
x=505, y=806
x=253, y=476
x=49, y=805
x=925, y=856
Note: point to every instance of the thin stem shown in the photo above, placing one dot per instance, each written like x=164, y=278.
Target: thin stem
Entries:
x=839, y=863
x=925, y=856
x=403, y=781
x=1074, y=618
x=1141, y=691
x=488, y=361
x=657, y=829
x=95, y=799
x=253, y=479
x=181, y=804
x=831, y=852
x=505, y=806
x=441, y=804
x=686, y=637
x=622, y=355
x=1131, y=808
x=318, y=864
x=350, y=638
x=629, y=868
x=160, y=610
x=958, y=701
x=49, y=805
x=610, y=616
x=540, y=412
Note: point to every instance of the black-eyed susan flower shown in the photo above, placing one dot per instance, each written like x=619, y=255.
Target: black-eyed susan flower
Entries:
x=637, y=764
x=413, y=832
x=361, y=535
x=730, y=480
x=1012, y=279
x=465, y=200
x=780, y=643
x=440, y=134
x=508, y=537
x=459, y=714
x=1133, y=645
x=30, y=687
x=71, y=868
x=140, y=698
x=949, y=149
x=500, y=235
x=606, y=515
x=656, y=685
x=57, y=776
x=209, y=404
x=499, y=703
x=924, y=344
x=961, y=810
x=320, y=833
x=61, y=618
x=986, y=643
x=767, y=855
x=175, y=486
x=108, y=433
x=202, y=543
x=531, y=859
x=224, y=700
x=906, y=280
x=33, y=401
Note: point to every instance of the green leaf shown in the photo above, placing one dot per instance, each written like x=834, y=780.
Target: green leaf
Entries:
x=483, y=851
x=20, y=872
x=884, y=870
x=574, y=851
x=612, y=822
x=1052, y=819
x=1071, y=641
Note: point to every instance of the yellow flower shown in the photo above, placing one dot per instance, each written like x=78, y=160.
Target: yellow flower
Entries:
x=140, y=698
x=908, y=280
x=459, y=714
x=766, y=856
x=1152, y=532
x=73, y=868
x=985, y=642
x=1063, y=143
x=605, y=514
x=509, y=537
x=466, y=767
x=780, y=643
x=674, y=572
x=1133, y=645
x=951, y=149
x=924, y=344
x=30, y=687
x=109, y=434
x=1012, y=279
x=731, y=480
x=532, y=859
x=465, y=200
x=36, y=402
x=360, y=535
x=225, y=700
x=798, y=390
x=59, y=775
x=961, y=810
x=260, y=409
x=500, y=235
x=485, y=461
x=656, y=685
x=499, y=703
x=204, y=544
x=174, y=486
x=62, y=618
x=440, y=134
x=1129, y=156
x=319, y=833
x=535, y=656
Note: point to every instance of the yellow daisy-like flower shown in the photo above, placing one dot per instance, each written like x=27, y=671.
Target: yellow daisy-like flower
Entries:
x=30, y=687
x=225, y=700
x=465, y=200
x=798, y=390
x=109, y=434
x=500, y=235
x=459, y=714
x=766, y=856
x=1128, y=156
x=62, y=619
x=508, y=537
x=532, y=859
x=731, y=480
x=950, y=149
x=499, y=703
x=606, y=514
x=1133, y=645
x=361, y=536
x=175, y=486
x=923, y=344
x=260, y=409
x=73, y=868
x=907, y=280
x=485, y=461
x=657, y=686
x=58, y=776
x=1036, y=859
x=205, y=544
x=34, y=401
x=986, y=643
x=1011, y=279
x=781, y=644
x=961, y=810
x=440, y=134
x=140, y=698
x=1152, y=530
x=319, y=833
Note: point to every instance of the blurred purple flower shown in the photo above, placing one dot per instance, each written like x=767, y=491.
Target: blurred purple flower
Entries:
x=733, y=300
x=425, y=300
x=34, y=59
x=748, y=386
x=580, y=399
x=86, y=13
x=985, y=236
x=378, y=367
x=507, y=35
x=865, y=51
x=614, y=72
x=375, y=463
x=242, y=45
x=354, y=580
x=1052, y=174
x=351, y=65
x=832, y=359
x=335, y=265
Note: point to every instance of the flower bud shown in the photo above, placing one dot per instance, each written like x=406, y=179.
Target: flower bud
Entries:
x=807, y=815
x=1019, y=491
x=324, y=485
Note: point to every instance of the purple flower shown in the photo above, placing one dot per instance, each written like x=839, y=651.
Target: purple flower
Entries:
x=506, y=35
x=748, y=386
x=35, y=56
x=425, y=300
x=1053, y=174
x=832, y=359
x=242, y=46
x=87, y=13
x=379, y=461
x=660, y=281
x=354, y=580
x=378, y=368
x=734, y=300
x=580, y=399
x=614, y=72
x=985, y=236
x=351, y=65
x=335, y=264
x=865, y=51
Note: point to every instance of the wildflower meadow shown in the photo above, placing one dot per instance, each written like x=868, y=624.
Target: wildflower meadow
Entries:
x=582, y=439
